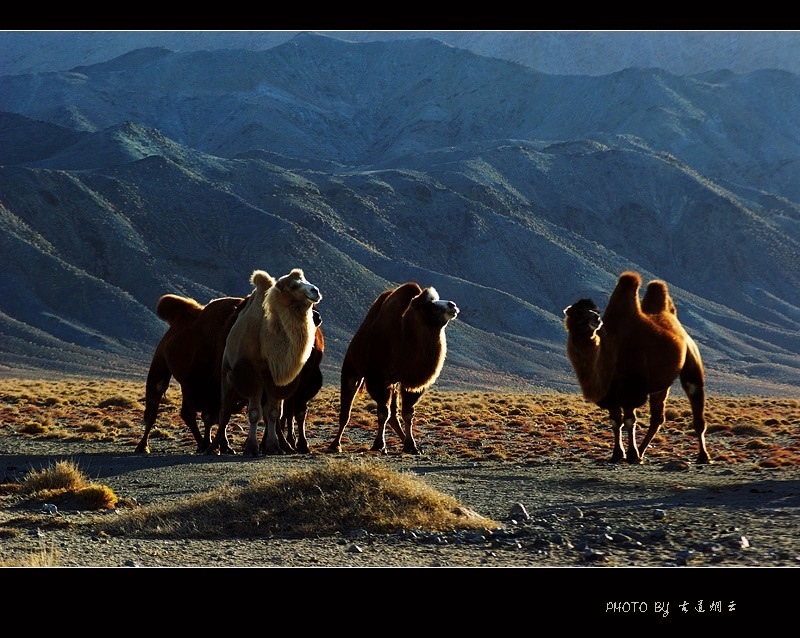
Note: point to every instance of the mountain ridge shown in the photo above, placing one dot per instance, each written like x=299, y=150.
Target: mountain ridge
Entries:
x=102, y=220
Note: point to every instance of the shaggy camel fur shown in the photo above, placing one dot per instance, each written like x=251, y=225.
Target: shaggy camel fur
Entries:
x=399, y=348
x=191, y=351
x=635, y=351
x=265, y=351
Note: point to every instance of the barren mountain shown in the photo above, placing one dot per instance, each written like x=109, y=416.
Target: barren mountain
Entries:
x=368, y=164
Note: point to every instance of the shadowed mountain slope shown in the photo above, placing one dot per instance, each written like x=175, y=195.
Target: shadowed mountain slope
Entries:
x=511, y=191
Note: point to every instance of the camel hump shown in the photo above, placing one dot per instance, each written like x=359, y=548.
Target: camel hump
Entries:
x=629, y=281
x=657, y=299
x=175, y=309
x=624, y=300
x=261, y=280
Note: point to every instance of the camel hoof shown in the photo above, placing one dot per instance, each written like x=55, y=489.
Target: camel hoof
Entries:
x=334, y=449
x=142, y=449
x=411, y=447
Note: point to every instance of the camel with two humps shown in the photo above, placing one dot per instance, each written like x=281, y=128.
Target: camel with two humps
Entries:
x=398, y=351
x=264, y=354
x=631, y=354
x=191, y=352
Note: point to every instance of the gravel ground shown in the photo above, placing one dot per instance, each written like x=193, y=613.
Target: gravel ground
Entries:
x=553, y=513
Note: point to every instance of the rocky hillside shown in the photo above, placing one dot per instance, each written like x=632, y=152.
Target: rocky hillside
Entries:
x=512, y=191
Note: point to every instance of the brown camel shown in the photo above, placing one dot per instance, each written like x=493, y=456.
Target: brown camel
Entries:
x=635, y=351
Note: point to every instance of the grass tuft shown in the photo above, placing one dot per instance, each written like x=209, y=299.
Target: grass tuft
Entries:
x=338, y=497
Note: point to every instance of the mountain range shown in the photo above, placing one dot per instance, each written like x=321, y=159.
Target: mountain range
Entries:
x=514, y=192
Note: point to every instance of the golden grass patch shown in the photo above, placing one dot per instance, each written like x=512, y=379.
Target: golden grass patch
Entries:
x=338, y=497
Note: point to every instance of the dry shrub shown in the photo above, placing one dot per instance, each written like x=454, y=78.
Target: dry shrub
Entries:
x=65, y=484
x=337, y=497
x=118, y=402
x=749, y=429
x=64, y=475
x=45, y=556
x=33, y=427
x=92, y=426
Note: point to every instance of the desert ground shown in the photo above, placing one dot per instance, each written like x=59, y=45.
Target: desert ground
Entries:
x=536, y=464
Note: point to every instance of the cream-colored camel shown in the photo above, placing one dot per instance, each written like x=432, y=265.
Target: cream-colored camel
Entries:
x=264, y=354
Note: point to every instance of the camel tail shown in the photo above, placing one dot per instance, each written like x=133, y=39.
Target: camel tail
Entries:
x=175, y=309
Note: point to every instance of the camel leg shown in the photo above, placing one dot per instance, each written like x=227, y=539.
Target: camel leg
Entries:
x=693, y=384
x=301, y=444
x=157, y=383
x=220, y=444
x=629, y=425
x=409, y=401
x=657, y=402
x=285, y=427
x=615, y=413
x=393, y=421
x=189, y=416
x=208, y=423
x=312, y=384
x=271, y=443
x=285, y=432
x=382, y=396
x=348, y=390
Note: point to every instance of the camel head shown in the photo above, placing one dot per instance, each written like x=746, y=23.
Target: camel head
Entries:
x=437, y=312
x=583, y=318
x=297, y=291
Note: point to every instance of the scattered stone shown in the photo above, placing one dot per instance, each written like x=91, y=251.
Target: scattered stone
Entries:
x=593, y=555
x=518, y=512
x=355, y=549
x=659, y=514
x=49, y=508
x=675, y=466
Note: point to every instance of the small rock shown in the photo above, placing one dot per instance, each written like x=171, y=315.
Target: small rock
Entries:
x=518, y=512
x=355, y=549
x=658, y=514
x=675, y=466
x=593, y=555
x=49, y=508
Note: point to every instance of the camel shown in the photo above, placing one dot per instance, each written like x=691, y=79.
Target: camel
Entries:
x=635, y=351
x=399, y=349
x=191, y=351
x=264, y=354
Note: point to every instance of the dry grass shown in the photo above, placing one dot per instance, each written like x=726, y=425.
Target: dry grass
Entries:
x=344, y=495
x=338, y=497
x=65, y=485
x=512, y=427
